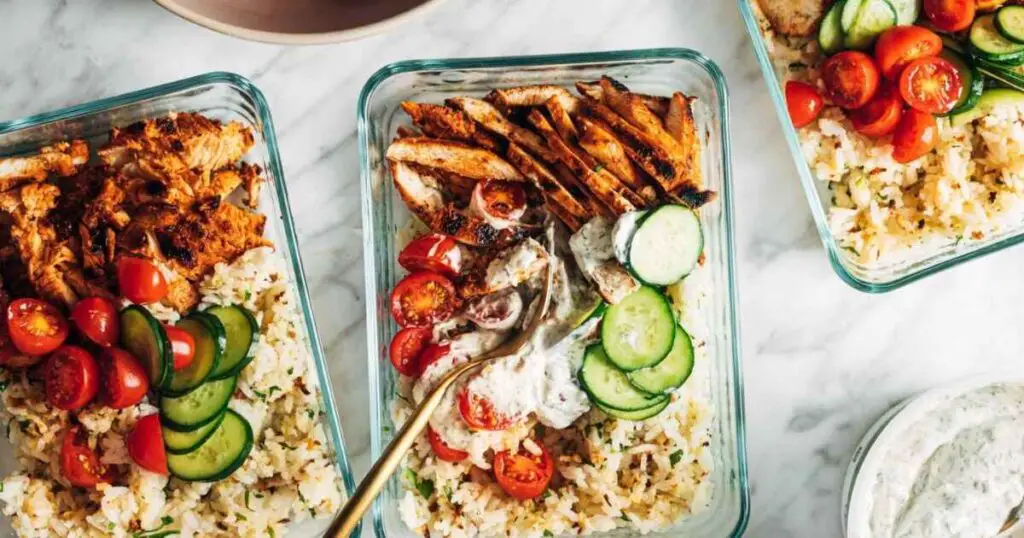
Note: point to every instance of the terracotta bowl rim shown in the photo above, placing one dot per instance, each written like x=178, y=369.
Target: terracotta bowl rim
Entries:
x=283, y=38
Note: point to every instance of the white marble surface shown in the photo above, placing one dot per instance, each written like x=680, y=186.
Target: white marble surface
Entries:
x=821, y=360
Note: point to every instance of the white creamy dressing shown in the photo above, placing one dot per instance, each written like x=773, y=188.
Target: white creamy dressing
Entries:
x=516, y=265
x=957, y=472
x=592, y=245
x=598, y=247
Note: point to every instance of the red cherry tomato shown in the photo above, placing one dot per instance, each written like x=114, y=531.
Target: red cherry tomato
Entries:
x=443, y=451
x=96, y=318
x=879, y=117
x=423, y=299
x=125, y=381
x=524, y=475
x=931, y=85
x=900, y=45
x=406, y=347
x=432, y=252
x=804, y=103
x=183, y=346
x=78, y=463
x=35, y=327
x=431, y=354
x=950, y=15
x=851, y=79
x=915, y=135
x=145, y=445
x=139, y=280
x=72, y=378
x=479, y=413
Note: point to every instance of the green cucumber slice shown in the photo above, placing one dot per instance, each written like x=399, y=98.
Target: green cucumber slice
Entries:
x=635, y=416
x=197, y=408
x=183, y=442
x=217, y=457
x=669, y=374
x=973, y=83
x=638, y=331
x=830, y=33
x=240, y=329
x=987, y=42
x=873, y=18
x=144, y=337
x=989, y=99
x=848, y=15
x=1010, y=23
x=209, y=335
x=666, y=245
x=907, y=11
x=609, y=387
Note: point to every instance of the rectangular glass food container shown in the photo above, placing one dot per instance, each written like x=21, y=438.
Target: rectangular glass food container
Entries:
x=873, y=278
x=227, y=97
x=657, y=71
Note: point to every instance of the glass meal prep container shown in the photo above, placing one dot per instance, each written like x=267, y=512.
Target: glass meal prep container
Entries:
x=224, y=96
x=876, y=277
x=656, y=71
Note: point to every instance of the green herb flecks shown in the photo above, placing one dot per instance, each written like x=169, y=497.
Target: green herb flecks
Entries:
x=675, y=457
x=424, y=487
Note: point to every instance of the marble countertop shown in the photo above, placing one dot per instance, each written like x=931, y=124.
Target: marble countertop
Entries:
x=821, y=361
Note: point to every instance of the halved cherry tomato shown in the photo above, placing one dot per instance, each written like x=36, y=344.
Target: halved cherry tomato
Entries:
x=880, y=116
x=479, y=413
x=851, y=79
x=499, y=200
x=950, y=15
x=145, y=445
x=36, y=327
x=524, y=475
x=804, y=103
x=183, y=346
x=915, y=135
x=71, y=378
x=423, y=299
x=443, y=451
x=432, y=252
x=125, y=381
x=406, y=347
x=78, y=463
x=431, y=354
x=931, y=85
x=96, y=318
x=139, y=280
x=900, y=45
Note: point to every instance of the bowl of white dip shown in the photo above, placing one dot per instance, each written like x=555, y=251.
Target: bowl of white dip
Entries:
x=947, y=463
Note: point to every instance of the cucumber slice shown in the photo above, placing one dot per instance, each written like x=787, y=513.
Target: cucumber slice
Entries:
x=198, y=408
x=989, y=99
x=873, y=18
x=987, y=42
x=144, y=337
x=638, y=331
x=217, y=457
x=1010, y=23
x=973, y=83
x=830, y=33
x=666, y=246
x=184, y=442
x=635, y=416
x=241, y=329
x=907, y=11
x=609, y=387
x=848, y=15
x=209, y=334
x=669, y=374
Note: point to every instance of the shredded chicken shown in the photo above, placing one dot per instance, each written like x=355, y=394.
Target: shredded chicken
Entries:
x=62, y=159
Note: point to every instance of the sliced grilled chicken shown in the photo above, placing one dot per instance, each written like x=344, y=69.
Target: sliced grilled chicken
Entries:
x=794, y=17
x=63, y=159
x=593, y=90
x=455, y=157
x=493, y=120
x=522, y=96
x=445, y=122
x=562, y=119
x=559, y=197
x=598, y=140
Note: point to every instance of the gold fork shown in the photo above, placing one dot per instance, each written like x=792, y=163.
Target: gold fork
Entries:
x=347, y=520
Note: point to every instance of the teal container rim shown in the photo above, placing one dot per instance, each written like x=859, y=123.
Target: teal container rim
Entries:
x=266, y=125
x=808, y=183
x=408, y=66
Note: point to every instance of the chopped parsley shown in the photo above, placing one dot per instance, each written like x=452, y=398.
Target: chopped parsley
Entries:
x=270, y=531
x=797, y=66
x=240, y=517
x=270, y=392
x=260, y=395
x=310, y=413
x=248, y=295
x=156, y=533
x=247, y=507
x=291, y=371
x=548, y=533
x=4, y=384
x=675, y=457
x=447, y=492
x=598, y=168
x=424, y=487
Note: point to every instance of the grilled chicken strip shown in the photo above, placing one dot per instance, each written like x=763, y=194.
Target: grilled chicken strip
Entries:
x=559, y=198
x=418, y=191
x=455, y=157
x=562, y=119
x=593, y=90
x=600, y=143
x=445, y=122
x=605, y=186
x=491, y=118
x=523, y=96
x=631, y=107
x=794, y=17
x=62, y=159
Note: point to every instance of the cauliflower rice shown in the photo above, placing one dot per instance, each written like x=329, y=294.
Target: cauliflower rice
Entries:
x=610, y=473
x=289, y=476
x=969, y=188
